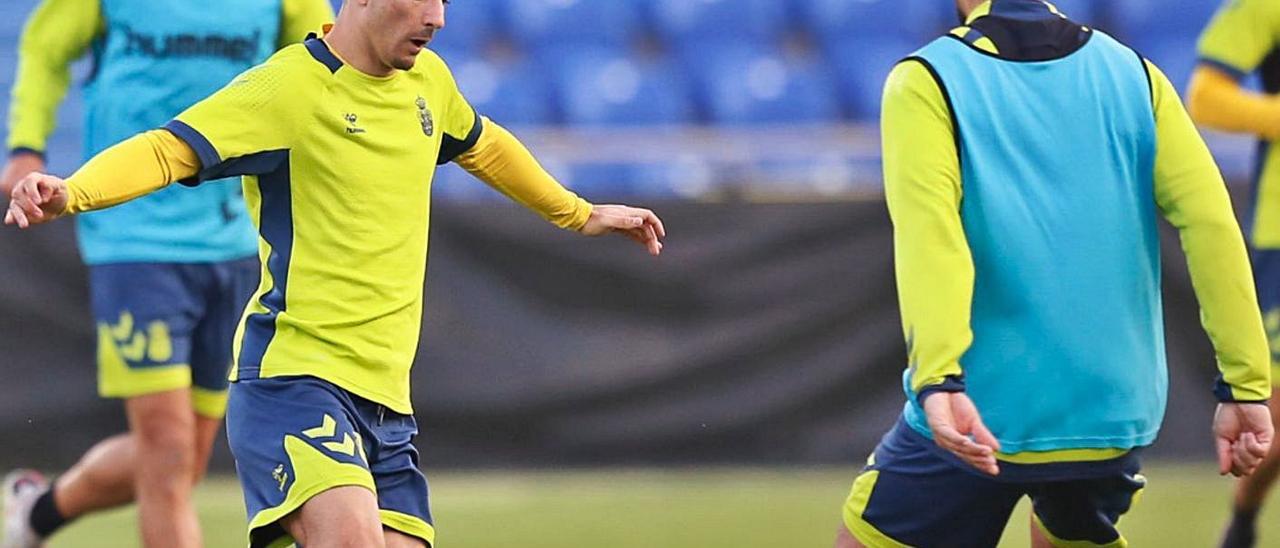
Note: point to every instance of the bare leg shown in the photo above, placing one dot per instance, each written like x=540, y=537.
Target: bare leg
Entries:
x=103, y=478
x=164, y=427
x=844, y=539
x=342, y=517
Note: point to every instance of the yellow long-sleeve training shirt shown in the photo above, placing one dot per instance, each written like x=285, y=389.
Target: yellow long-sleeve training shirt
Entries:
x=337, y=168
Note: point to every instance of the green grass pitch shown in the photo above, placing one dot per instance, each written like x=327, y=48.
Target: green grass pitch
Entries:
x=1184, y=505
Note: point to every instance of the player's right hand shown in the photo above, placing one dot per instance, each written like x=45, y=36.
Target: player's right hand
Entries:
x=37, y=198
x=20, y=165
x=1243, y=433
x=953, y=419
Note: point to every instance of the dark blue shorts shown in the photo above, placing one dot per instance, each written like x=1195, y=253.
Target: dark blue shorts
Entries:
x=165, y=326
x=296, y=437
x=1266, y=274
x=909, y=495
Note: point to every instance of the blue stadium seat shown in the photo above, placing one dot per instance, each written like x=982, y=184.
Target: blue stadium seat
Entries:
x=512, y=95
x=743, y=84
x=1175, y=55
x=687, y=21
x=601, y=87
x=539, y=23
x=471, y=26
x=860, y=68
x=837, y=20
x=1137, y=20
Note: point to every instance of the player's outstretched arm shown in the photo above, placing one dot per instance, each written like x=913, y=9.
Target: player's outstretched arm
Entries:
x=1217, y=100
x=1235, y=43
x=503, y=162
x=135, y=167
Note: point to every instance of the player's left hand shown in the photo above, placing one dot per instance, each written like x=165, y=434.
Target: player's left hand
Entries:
x=639, y=224
x=37, y=198
x=958, y=428
x=1243, y=434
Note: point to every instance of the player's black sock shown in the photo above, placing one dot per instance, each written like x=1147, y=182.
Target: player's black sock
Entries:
x=1242, y=532
x=45, y=517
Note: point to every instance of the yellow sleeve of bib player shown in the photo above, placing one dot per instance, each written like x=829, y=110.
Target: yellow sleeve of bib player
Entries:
x=58, y=32
x=1193, y=197
x=923, y=192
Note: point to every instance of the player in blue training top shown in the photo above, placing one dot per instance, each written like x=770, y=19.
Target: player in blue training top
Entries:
x=169, y=273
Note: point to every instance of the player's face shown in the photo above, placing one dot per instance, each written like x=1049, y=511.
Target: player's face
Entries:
x=401, y=28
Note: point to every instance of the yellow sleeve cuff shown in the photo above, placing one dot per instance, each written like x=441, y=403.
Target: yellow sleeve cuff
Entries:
x=503, y=162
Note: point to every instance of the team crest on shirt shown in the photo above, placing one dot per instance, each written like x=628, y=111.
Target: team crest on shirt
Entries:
x=424, y=116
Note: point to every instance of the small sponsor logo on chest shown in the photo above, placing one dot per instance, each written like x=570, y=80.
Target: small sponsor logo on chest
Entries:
x=425, y=120
x=352, y=121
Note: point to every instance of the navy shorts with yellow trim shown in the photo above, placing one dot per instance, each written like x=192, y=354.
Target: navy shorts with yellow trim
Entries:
x=165, y=326
x=1266, y=274
x=295, y=437
x=911, y=495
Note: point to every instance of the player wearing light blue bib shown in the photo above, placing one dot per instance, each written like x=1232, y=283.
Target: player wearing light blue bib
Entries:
x=169, y=273
x=1027, y=160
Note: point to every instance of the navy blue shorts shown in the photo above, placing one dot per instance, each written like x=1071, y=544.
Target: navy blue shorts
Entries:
x=296, y=437
x=910, y=495
x=165, y=326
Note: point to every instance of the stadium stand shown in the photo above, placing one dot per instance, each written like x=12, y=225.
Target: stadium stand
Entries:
x=550, y=68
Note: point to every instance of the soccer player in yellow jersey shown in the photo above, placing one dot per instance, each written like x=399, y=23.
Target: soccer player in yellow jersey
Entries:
x=1244, y=38
x=337, y=140
x=168, y=274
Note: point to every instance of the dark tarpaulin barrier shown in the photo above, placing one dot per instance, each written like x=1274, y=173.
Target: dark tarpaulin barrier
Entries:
x=766, y=333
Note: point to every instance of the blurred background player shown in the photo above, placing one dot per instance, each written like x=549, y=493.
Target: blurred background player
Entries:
x=1242, y=39
x=338, y=139
x=169, y=273
x=1050, y=292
